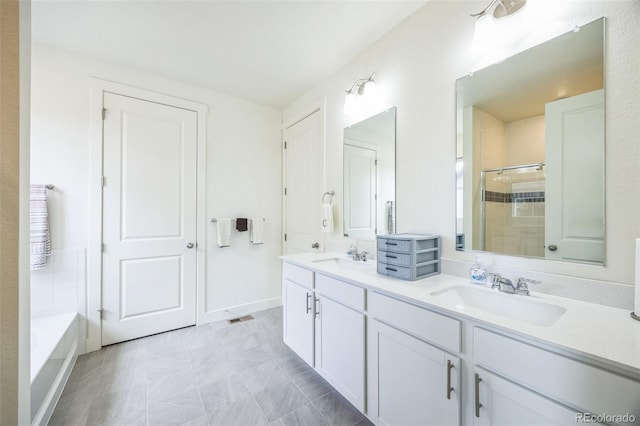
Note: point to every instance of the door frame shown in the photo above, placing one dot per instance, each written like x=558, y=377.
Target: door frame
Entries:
x=319, y=105
x=98, y=88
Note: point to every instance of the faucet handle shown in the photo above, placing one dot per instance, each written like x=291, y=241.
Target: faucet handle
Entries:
x=495, y=278
x=522, y=287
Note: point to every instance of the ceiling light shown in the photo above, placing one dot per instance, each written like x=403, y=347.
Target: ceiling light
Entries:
x=485, y=31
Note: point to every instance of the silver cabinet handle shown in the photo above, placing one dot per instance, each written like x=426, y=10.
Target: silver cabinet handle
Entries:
x=477, y=391
x=308, y=300
x=315, y=245
x=315, y=305
x=189, y=245
x=552, y=247
x=449, y=388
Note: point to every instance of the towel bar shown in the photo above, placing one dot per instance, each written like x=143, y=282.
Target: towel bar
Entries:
x=214, y=220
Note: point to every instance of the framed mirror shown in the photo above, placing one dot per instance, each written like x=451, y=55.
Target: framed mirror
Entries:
x=530, y=152
x=369, y=176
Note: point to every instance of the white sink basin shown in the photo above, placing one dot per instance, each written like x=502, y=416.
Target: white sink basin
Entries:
x=346, y=264
x=509, y=305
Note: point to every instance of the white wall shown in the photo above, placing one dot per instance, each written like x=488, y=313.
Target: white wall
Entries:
x=417, y=64
x=243, y=170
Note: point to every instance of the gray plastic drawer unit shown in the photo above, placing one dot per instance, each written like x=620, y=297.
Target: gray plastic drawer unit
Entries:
x=408, y=256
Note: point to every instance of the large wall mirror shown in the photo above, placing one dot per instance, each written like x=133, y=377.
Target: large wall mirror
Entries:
x=530, y=152
x=369, y=156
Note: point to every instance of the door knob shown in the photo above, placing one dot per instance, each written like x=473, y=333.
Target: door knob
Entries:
x=189, y=245
x=315, y=245
x=553, y=247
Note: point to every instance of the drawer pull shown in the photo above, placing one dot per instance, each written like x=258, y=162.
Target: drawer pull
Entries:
x=477, y=391
x=308, y=300
x=391, y=269
x=388, y=256
x=315, y=305
x=449, y=388
x=391, y=244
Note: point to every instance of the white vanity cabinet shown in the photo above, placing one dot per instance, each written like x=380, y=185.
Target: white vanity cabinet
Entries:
x=298, y=310
x=340, y=337
x=568, y=385
x=498, y=401
x=411, y=381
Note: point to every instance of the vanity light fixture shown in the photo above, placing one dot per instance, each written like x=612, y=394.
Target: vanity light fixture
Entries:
x=361, y=87
x=485, y=29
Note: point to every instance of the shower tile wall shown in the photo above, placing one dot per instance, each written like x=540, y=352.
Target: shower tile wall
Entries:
x=59, y=287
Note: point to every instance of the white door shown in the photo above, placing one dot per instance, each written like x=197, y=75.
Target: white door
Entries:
x=298, y=325
x=410, y=382
x=574, y=176
x=360, y=176
x=303, y=185
x=499, y=402
x=149, y=218
x=339, y=350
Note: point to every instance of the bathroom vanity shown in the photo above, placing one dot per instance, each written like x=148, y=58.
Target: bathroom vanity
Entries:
x=443, y=351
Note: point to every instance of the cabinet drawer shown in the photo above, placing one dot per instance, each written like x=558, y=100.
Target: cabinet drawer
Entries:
x=399, y=246
x=341, y=292
x=401, y=259
x=298, y=275
x=571, y=382
x=423, y=323
x=402, y=272
x=405, y=273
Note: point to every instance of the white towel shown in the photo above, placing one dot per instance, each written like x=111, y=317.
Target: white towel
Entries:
x=257, y=230
x=40, y=238
x=224, y=232
x=326, y=218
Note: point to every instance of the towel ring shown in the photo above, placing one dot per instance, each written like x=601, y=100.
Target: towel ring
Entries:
x=330, y=194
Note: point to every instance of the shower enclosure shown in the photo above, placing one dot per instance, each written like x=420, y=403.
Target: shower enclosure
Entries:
x=512, y=210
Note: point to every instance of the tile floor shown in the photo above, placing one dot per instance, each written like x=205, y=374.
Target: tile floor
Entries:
x=214, y=374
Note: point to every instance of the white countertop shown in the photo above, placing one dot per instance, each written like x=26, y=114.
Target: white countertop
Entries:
x=602, y=333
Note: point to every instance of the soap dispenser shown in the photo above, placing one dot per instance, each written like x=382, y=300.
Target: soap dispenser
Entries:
x=478, y=273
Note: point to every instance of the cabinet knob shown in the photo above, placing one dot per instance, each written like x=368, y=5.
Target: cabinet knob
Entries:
x=552, y=247
x=315, y=245
x=189, y=245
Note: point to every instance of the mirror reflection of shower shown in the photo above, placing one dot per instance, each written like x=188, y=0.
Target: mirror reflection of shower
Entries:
x=512, y=209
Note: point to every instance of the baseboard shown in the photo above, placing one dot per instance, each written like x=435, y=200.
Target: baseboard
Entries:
x=239, y=310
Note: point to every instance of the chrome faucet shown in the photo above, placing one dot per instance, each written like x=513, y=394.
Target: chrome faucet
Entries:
x=355, y=255
x=506, y=285
x=503, y=284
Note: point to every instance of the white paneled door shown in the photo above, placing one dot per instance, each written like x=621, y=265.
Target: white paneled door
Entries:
x=149, y=218
x=303, y=182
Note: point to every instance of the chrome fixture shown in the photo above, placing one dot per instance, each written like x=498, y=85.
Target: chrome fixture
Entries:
x=355, y=255
x=330, y=194
x=501, y=9
x=522, y=287
x=485, y=35
x=505, y=285
x=359, y=88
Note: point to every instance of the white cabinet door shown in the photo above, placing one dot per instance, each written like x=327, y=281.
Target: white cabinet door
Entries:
x=340, y=356
x=500, y=402
x=409, y=381
x=298, y=320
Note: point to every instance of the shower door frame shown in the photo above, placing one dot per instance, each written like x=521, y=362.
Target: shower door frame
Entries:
x=483, y=177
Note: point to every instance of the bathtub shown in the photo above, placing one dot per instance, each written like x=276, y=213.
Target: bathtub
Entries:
x=54, y=350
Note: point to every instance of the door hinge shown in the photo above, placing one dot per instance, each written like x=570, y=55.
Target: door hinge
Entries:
x=285, y=237
x=104, y=113
x=103, y=181
x=376, y=163
x=104, y=247
x=285, y=191
x=285, y=144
